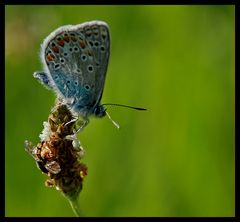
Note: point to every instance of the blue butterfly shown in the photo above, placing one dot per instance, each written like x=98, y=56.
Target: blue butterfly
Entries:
x=75, y=59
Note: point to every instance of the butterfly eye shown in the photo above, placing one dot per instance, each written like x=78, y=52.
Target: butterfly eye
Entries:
x=99, y=111
x=62, y=60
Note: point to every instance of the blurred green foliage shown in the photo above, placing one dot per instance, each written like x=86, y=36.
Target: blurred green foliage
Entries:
x=177, y=159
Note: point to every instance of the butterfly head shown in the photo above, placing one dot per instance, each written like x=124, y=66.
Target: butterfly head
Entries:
x=100, y=111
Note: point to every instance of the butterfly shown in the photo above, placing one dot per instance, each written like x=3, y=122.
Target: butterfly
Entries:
x=75, y=60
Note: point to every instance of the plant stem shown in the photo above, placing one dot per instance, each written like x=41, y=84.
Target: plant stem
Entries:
x=75, y=206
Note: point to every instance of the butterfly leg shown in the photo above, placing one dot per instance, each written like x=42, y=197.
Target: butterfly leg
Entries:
x=85, y=123
x=43, y=78
x=71, y=121
x=75, y=141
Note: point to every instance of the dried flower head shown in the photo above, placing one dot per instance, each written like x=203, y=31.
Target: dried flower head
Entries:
x=59, y=153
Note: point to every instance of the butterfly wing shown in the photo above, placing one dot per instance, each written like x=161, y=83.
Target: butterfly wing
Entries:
x=76, y=60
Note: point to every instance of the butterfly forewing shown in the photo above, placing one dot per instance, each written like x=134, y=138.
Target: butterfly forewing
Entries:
x=76, y=59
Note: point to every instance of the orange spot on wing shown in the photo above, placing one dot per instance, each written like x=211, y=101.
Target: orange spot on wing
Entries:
x=61, y=42
x=55, y=49
x=82, y=44
x=50, y=57
x=66, y=38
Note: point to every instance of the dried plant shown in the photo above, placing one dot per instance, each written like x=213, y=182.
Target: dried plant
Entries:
x=59, y=154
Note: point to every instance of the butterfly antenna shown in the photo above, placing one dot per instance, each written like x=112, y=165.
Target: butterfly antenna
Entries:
x=131, y=107
x=114, y=123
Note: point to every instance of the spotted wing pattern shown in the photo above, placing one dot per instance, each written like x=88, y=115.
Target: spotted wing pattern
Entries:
x=76, y=60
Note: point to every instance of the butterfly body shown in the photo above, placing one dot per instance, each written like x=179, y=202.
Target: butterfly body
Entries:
x=75, y=59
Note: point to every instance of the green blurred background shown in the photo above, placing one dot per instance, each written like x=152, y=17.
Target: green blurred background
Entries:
x=177, y=159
